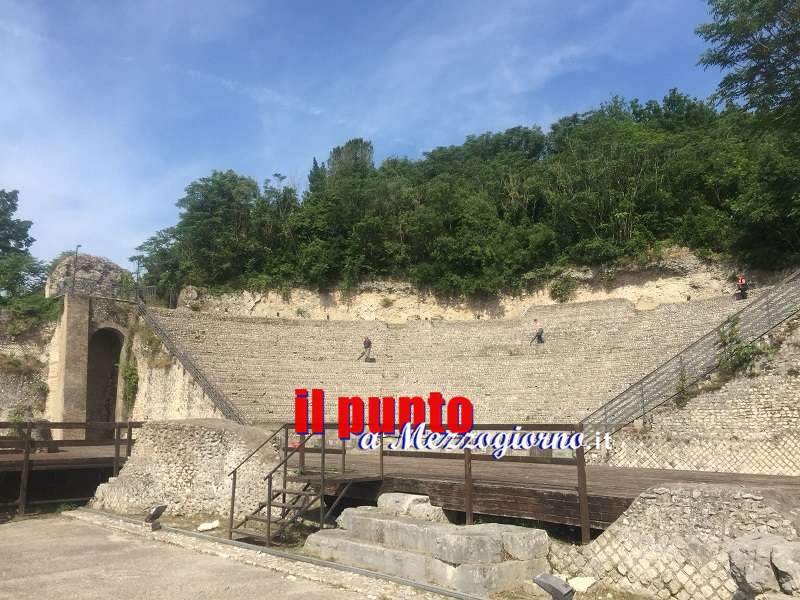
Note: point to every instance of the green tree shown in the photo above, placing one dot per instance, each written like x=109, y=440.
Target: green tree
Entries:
x=757, y=43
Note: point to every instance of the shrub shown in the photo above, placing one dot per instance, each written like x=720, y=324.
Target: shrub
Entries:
x=386, y=302
x=737, y=356
x=562, y=289
x=682, y=394
x=301, y=312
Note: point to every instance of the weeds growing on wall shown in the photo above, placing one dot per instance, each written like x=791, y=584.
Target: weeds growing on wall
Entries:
x=682, y=393
x=151, y=346
x=21, y=366
x=737, y=356
x=130, y=377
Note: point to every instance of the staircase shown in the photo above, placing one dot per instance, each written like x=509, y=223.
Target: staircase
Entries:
x=696, y=361
x=293, y=504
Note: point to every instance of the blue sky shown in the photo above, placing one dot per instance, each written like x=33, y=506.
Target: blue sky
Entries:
x=109, y=109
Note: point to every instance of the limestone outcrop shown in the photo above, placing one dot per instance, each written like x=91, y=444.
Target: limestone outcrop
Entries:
x=185, y=465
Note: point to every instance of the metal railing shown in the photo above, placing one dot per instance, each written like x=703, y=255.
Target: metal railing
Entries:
x=124, y=291
x=210, y=390
x=696, y=361
x=302, y=449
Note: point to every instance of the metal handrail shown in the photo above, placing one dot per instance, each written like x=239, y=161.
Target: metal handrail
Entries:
x=216, y=397
x=286, y=458
x=660, y=385
x=260, y=446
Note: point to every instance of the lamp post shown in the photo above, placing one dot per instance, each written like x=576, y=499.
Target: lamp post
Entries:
x=75, y=266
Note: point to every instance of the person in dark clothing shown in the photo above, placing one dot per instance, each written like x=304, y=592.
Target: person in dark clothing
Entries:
x=538, y=336
x=367, y=349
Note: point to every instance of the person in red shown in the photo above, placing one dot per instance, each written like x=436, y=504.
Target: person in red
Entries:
x=741, y=287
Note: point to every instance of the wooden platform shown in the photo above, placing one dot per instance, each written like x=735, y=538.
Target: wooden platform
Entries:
x=543, y=492
x=80, y=457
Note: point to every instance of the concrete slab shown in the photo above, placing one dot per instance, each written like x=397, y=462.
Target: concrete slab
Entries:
x=60, y=559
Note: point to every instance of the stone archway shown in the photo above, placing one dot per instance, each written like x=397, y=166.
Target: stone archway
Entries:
x=102, y=377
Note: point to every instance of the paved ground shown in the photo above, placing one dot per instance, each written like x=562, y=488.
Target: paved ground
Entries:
x=56, y=558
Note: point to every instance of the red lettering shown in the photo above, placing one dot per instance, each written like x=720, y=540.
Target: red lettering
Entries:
x=381, y=414
x=351, y=416
x=406, y=404
x=436, y=402
x=462, y=405
x=301, y=411
x=317, y=411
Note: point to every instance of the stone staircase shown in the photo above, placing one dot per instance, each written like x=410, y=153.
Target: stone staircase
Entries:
x=593, y=351
x=404, y=536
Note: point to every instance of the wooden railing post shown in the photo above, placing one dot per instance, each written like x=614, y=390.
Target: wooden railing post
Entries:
x=129, y=441
x=269, y=510
x=26, y=467
x=468, y=485
x=233, y=505
x=116, y=448
x=583, y=496
x=302, y=460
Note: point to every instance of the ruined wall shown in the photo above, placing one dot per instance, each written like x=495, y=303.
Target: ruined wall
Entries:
x=23, y=374
x=672, y=542
x=185, y=465
x=749, y=425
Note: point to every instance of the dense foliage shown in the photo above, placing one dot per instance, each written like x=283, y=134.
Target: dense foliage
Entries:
x=23, y=306
x=506, y=211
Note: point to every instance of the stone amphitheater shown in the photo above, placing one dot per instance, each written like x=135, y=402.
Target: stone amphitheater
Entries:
x=593, y=351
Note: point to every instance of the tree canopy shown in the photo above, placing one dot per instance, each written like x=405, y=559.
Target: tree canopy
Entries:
x=506, y=210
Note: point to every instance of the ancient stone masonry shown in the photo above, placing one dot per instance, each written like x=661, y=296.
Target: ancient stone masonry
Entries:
x=94, y=274
x=749, y=425
x=407, y=537
x=673, y=542
x=185, y=465
x=593, y=351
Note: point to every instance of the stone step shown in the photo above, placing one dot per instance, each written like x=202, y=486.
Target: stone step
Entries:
x=476, y=579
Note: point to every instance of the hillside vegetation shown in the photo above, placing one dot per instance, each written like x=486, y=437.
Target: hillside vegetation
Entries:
x=506, y=211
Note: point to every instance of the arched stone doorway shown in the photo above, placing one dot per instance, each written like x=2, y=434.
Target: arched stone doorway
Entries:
x=102, y=378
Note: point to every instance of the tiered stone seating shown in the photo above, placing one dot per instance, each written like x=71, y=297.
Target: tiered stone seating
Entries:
x=593, y=351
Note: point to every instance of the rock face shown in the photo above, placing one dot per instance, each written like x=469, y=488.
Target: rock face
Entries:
x=185, y=465
x=751, y=565
x=93, y=273
x=786, y=562
x=673, y=542
x=474, y=559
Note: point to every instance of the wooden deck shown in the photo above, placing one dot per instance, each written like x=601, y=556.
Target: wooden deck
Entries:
x=544, y=492
x=75, y=457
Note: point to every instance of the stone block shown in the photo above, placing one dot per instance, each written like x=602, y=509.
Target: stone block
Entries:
x=465, y=545
x=556, y=587
x=751, y=567
x=400, y=504
x=525, y=544
x=786, y=561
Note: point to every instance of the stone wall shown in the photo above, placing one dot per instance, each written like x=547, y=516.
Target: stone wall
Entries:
x=24, y=394
x=672, y=542
x=593, y=351
x=166, y=390
x=185, y=465
x=749, y=425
